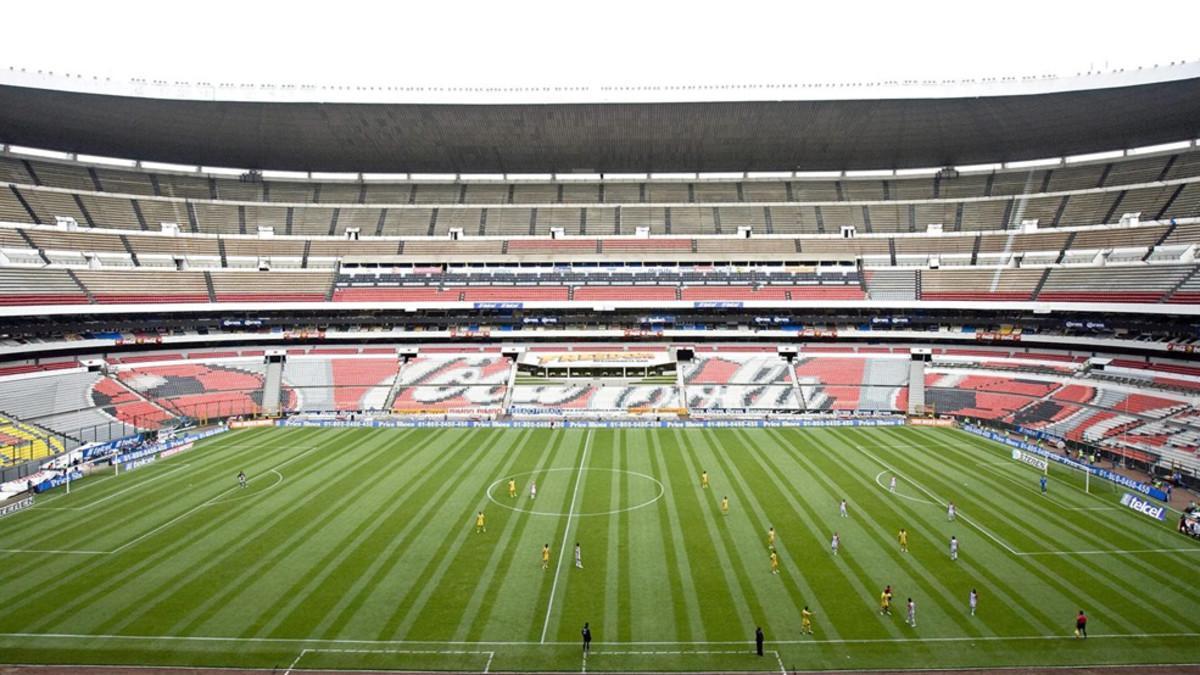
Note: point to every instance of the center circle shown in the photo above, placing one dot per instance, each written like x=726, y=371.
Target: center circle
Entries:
x=657, y=485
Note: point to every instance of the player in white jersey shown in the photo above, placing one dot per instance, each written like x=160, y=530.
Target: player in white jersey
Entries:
x=835, y=543
x=911, y=619
x=953, y=548
x=842, y=510
x=951, y=512
x=578, y=556
x=974, y=601
x=533, y=489
x=892, y=484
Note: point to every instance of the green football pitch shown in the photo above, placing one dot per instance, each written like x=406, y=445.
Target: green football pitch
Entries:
x=357, y=549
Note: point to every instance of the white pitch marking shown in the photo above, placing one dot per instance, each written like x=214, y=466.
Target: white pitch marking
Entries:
x=587, y=442
x=210, y=502
x=940, y=501
x=915, y=499
x=118, y=493
x=427, y=652
x=172, y=521
x=1054, y=500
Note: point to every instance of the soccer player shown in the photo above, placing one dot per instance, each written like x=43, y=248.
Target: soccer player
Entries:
x=953, y=548
x=835, y=543
x=806, y=620
x=1081, y=625
x=242, y=478
x=774, y=562
x=892, y=485
x=725, y=505
x=546, y=557
x=704, y=479
x=771, y=538
x=512, y=489
x=973, y=601
x=903, y=537
x=587, y=638
x=842, y=510
x=885, y=601
x=479, y=526
x=533, y=489
x=951, y=512
x=578, y=556
x=911, y=619
x=1042, y=480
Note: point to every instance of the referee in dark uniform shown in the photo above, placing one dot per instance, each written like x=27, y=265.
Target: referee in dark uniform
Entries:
x=587, y=638
x=758, y=639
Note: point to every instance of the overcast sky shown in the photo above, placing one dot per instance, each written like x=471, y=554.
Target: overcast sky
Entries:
x=616, y=42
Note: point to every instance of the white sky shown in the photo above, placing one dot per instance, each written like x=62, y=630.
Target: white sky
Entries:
x=569, y=43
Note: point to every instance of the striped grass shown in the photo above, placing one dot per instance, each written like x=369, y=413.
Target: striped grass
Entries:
x=357, y=549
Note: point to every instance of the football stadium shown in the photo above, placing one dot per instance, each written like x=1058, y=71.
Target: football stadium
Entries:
x=747, y=378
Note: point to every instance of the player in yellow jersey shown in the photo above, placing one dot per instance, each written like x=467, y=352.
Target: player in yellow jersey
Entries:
x=512, y=489
x=806, y=620
x=546, y=557
x=725, y=505
x=479, y=526
x=771, y=537
x=704, y=480
x=903, y=537
x=774, y=562
x=885, y=600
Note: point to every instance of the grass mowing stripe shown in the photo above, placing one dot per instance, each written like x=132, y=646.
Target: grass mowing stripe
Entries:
x=920, y=569
x=1128, y=566
x=93, y=523
x=544, y=445
x=717, y=524
x=688, y=623
x=1164, y=532
x=690, y=506
x=499, y=558
x=515, y=603
x=1120, y=569
x=972, y=565
x=886, y=559
x=1102, y=532
x=82, y=589
x=1051, y=576
x=362, y=599
x=424, y=618
x=753, y=538
x=438, y=488
x=843, y=572
x=610, y=591
x=856, y=562
x=625, y=624
x=309, y=589
x=209, y=582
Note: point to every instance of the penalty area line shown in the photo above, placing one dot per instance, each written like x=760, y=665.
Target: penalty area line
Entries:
x=417, y=652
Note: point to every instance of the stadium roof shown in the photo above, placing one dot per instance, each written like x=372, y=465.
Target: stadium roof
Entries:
x=887, y=125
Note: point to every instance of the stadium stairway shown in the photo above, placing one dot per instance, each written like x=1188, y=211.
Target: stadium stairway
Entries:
x=1186, y=278
x=74, y=277
x=508, y=391
x=272, y=387
x=142, y=397
x=681, y=385
x=796, y=389
x=394, y=390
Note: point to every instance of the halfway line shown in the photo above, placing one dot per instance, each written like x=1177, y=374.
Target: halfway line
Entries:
x=587, y=441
